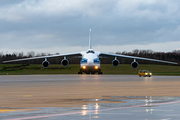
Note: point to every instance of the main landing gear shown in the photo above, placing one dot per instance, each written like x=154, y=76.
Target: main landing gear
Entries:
x=92, y=73
x=100, y=73
x=79, y=72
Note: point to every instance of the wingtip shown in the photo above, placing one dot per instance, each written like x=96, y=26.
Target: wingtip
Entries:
x=3, y=62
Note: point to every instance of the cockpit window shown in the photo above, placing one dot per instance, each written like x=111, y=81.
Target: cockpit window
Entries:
x=97, y=61
x=90, y=51
x=84, y=60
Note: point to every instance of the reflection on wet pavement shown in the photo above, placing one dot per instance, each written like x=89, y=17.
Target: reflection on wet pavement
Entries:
x=131, y=107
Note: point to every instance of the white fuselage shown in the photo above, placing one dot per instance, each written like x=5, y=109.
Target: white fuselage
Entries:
x=90, y=62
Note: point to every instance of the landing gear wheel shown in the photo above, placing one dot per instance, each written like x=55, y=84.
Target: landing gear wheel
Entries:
x=99, y=73
x=79, y=72
x=139, y=75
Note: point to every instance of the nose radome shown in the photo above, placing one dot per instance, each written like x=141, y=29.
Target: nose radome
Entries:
x=90, y=61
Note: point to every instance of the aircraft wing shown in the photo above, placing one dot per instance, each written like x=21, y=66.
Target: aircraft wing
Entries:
x=51, y=56
x=126, y=56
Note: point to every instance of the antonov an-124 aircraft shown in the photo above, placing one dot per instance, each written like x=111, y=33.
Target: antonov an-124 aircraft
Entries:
x=90, y=62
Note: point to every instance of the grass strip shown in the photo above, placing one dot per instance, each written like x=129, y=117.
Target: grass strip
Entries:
x=122, y=69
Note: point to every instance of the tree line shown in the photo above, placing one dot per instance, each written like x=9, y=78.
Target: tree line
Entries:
x=173, y=56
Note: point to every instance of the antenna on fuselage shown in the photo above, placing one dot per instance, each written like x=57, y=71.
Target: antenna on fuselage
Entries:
x=90, y=47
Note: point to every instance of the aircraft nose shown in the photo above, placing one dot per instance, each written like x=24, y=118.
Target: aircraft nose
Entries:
x=90, y=62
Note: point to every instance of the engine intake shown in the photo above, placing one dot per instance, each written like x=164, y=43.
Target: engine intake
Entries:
x=134, y=64
x=45, y=64
x=65, y=62
x=115, y=63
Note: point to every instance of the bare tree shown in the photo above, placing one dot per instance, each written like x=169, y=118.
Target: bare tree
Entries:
x=31, y=54
x=176, y=51
x=43, y=54
x=21, y=55
x=136, y=51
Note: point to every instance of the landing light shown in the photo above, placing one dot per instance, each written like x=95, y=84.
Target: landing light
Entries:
x=96, y=67
x=84, y=67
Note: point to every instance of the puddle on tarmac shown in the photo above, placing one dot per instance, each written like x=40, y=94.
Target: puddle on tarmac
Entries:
x=128, y=105
x=130, y=101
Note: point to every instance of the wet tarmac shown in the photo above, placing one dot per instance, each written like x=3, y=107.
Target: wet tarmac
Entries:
x=108, y=108
x=133, y=108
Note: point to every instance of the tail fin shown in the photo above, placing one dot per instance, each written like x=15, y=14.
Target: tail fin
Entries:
x=90, y=47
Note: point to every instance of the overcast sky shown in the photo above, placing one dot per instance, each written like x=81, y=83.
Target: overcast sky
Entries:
x=62, y=26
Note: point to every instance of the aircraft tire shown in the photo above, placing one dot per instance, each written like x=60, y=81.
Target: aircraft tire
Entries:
x=79, y=72
x=99, y=73
x=139, y=75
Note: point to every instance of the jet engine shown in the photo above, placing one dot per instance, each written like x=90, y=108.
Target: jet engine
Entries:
x=134, y=64
x=45, y=64
x=115, y=63
x=65, y=62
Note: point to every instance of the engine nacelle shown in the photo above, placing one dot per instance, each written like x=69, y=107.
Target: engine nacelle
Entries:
x=134, y=64
x=45, y=64
x=115, y=63
x=65, y=62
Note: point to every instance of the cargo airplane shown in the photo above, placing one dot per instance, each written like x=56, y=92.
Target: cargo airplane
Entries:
x=90, y=62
